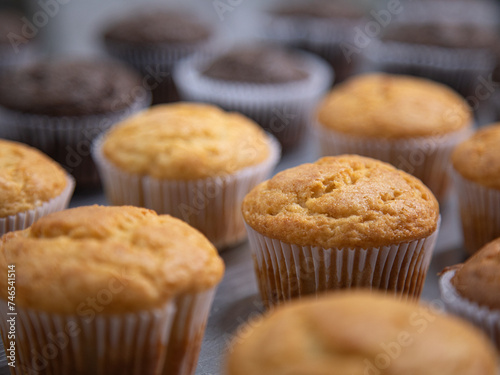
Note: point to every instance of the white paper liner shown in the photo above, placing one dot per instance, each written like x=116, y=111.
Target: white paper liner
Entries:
x=25, y=219
x=427, y=158
x=211, y=205
x=284, y=110
x=158, y=61
x=483, y=317
x=479, y=211
x=286, y=271
x=67, y=139
x=161, y=341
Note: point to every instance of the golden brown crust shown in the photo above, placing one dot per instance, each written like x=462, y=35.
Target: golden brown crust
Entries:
x=393, y=107
x=478, y=279
x=478, y=158
x=186, y=141
x=358, y=334
x=343, y=201
x=28, y=178
x=141, y=259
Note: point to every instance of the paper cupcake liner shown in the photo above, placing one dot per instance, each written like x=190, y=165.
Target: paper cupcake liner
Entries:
x=211, y=205
x=156, y=63
x=427, y=158
x=323, y=38
x=479, y=211
x=483, y=317
x=284, y=110
x=458, y=68
x=286, y=271
x=164, y=341
x=25, y=219
x=68, y=139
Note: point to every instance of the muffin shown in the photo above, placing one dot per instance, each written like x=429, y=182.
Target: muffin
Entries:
x=127, y=291
x=322, y=27
x=453, y=52
x=31, y=186
x=359, y=334
x=153, y=41
x=470, y=290
x=476, y=173
x=276, y=87
x=60, y=106
x=409, y=122
x=193, y=161
x=341, y=222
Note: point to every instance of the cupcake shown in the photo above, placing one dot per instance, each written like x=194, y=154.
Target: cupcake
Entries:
x=31, y=186
x=476, y=173
x=108, y=290
x=341, y=222
x=360, y=334
x=59, y=107
x=411, y=123
x=193, y=161
x=153, y=41
x=276, y=87
x=322, y=27
x=470, y=290
x=455, y=53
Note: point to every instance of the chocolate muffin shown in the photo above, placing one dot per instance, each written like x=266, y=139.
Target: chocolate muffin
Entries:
x=274, y=86
x=320, y=27
x=61, y=106
x=153, y=41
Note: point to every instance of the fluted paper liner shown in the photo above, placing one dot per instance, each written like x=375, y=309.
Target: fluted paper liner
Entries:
x=483, y=317
x=25, y=219
x=67, y=139
x=165, y=341
x=284, y=110
x=427, y=158
x=479, y=211
x=286, y=271
x=211, y=205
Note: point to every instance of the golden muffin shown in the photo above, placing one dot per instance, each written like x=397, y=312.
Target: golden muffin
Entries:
x=345, y=221
x=108, y=272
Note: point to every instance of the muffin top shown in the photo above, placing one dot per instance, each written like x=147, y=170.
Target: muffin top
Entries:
x=257, y=64
x=446, y=34
x=157, y=27
x=478, y=158
x=393, y=107
x=186, y=141
x=69, y=88
x=321, y=9
x=343, y=201
x=140, y=258
x=357, y=333
x=28, y=178
x=478, y=279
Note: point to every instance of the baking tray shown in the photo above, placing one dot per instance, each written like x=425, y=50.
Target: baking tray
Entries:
x=237, y=299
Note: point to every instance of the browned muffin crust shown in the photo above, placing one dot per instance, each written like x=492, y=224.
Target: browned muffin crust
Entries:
x=478, y=158
x=142, y=258
x=343, y=201
x=478, y=279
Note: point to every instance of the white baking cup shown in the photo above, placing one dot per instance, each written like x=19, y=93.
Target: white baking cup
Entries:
x=284, y=110
x=483, y=317
x=286, y=271
x=427, y=158
x=156, y=62
x=164, y=341
x=67, y=139
x=211, y=205
x=479, y=211
x=25, y=219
